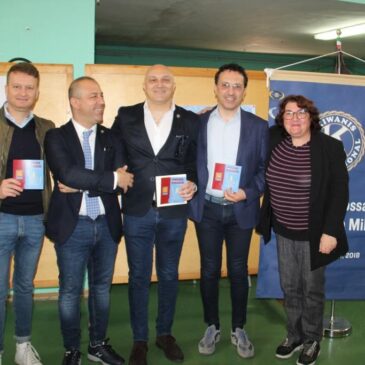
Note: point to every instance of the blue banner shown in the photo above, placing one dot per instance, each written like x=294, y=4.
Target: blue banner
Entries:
x=342, y=108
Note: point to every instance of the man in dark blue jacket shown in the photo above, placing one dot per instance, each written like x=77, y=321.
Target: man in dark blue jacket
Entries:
x=237, y=140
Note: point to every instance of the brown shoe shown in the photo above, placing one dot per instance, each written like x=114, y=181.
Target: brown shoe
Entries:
x=168, y=344
x=138, y=354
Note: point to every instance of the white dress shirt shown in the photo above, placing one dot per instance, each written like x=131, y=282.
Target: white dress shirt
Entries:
x=158, y=133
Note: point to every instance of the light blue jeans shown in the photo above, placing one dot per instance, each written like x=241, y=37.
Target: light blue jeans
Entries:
x=21, y=237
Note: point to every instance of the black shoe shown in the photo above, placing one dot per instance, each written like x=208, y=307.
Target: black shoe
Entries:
x=138, y=354
x=309, y=354
x=105, y=354
x=286, y=349
x=72, y=357
x=168, y=344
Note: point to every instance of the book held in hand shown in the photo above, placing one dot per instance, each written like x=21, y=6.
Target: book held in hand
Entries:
x=167, y=190
x=30, y=173
x=226, y=177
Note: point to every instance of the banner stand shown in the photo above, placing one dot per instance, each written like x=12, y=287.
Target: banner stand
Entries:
x=332, y=327
x=336, y=327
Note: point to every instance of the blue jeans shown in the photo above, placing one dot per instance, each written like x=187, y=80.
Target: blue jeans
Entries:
x=218, y=224
x=90, y=246
x=21, y=236
x=141, y=234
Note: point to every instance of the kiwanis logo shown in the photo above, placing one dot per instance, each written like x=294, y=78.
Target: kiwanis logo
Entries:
x=349, y=130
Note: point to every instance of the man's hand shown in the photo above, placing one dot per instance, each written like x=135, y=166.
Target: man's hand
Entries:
x=10, y=188
x=327, y=243
x=66, y=189
x=235, y=197
x=187, y=190
x=125, y=179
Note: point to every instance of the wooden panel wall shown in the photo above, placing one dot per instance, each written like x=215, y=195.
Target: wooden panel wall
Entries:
x=122, y=85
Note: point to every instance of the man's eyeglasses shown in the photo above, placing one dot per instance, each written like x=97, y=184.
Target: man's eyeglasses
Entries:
x=301, y=114
x=227, y=85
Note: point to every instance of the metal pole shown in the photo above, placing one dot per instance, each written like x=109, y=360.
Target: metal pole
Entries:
x=336, y=327
x=332, y=326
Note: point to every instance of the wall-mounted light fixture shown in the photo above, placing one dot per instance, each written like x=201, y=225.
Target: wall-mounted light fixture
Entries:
x=344, y=32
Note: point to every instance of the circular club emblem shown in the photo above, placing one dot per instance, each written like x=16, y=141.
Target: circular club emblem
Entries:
x=347, y=129
x=276, y=95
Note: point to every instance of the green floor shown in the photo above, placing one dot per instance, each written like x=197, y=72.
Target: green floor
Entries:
x=265, y=328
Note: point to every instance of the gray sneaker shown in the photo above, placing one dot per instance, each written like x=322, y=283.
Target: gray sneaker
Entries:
x=244, y=346
x=207, y=343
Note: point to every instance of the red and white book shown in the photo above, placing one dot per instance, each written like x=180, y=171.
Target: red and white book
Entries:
x=30, y=173
x=226, y=177
x=167, y=190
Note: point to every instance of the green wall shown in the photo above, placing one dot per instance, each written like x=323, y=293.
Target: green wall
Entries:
x=48, y=31
x=114, y=54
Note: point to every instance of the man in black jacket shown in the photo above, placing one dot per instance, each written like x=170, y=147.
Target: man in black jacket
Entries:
x=160, y=139
x=84, y=218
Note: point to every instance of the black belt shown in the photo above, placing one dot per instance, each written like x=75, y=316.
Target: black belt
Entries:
x=217, y=200
x=87, y=217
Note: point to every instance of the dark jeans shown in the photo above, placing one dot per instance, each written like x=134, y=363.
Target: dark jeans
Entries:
x=141, y=234
x=21, y=236
x=303, y=290
x=90, y=246
x=218, y=224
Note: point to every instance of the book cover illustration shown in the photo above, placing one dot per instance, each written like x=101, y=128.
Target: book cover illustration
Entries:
x=167, y=190
x=226, y=177
x=30, y=173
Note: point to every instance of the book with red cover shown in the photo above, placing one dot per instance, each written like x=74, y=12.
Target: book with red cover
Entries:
x=226, y=177
x=30, y=173
x=167, y=190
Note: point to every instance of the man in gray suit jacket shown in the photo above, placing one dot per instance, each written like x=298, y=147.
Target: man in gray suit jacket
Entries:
x=228, y=137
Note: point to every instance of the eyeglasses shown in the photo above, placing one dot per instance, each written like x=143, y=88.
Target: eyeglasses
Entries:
x=301, y=114
x=227, y=85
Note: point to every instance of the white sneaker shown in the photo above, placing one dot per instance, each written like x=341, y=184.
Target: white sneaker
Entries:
x=244, y=346
x=26, y=354
x=207, y=343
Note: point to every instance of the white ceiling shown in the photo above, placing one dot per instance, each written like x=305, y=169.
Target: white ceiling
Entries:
x=263, y=26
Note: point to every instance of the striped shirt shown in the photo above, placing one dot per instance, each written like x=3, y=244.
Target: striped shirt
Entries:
x=289, y=179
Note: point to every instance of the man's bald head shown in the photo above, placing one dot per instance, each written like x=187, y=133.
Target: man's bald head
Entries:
x=159, y=85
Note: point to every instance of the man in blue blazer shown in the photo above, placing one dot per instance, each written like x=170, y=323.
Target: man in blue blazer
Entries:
x=230, y=137
x=84, y=217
